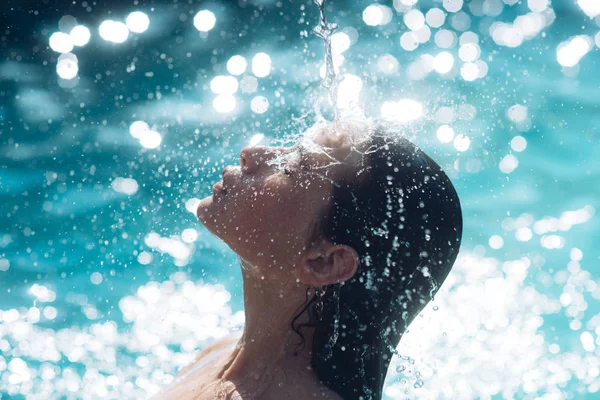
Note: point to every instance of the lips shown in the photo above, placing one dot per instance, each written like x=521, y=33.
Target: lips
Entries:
x=231, y=175
x=218, y=187
x=221, y=187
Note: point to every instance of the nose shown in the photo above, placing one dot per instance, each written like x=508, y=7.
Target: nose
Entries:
x=252, y=158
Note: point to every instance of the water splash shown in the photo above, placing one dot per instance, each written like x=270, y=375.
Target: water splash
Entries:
x=325, y=30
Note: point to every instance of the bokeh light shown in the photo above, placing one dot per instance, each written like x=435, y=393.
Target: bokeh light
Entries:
x=137, y=22
x=496, y=242
x=414, y=19
x=80, y=35
x=445, y=133
x=127, y=186
x=205, y=20
x=224, y=84
x=259, y=104
x=61, y=42
x=469, y=52
x=443, y=62
x=387, y=64
x=67, y=66
x=435, y=17
x=256, y=139
x=453, y=5
x=445, y=39
x=462, y=143
x=249, y=84
x=590, y=7
x=113, y=31
x=237, y=65
x=409, y=41
x=340, y=42
x=469, y=71
x=150, y=139
x=517, y=113
x=508, y=163
x=67, y=23
x=224, y=103
x=261, y=65
x=518, y=143
x=404, y=110
x=570, y=52
x=349, y=91
x=377, y=14
x=138, y=128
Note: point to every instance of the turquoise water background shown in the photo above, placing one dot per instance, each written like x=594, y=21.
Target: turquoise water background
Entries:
x=104, y=294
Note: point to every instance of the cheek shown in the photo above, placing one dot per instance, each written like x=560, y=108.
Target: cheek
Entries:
x=260, y=205
x=277, y=203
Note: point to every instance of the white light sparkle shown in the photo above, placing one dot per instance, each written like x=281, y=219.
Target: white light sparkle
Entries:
x=404, y=110
x=204, y=20
x=443, y=62
x=453, y=5
x=150, y=139
x=137, y=22
x=80, y=35
x=508, y=163
x=590, y=7
x=435, y=17
x=445, y=133
x=67, y=66
x=224, y=103
x=138, y=128
x=462, y=143
x=113, y=31
x=61, y=42
x=259, y=104
x=349, y=91
x=237, y=65
x=469, y=71
x=261, y=65
x=224, y=84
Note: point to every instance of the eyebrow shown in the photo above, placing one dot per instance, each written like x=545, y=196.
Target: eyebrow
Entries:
x=301, y=149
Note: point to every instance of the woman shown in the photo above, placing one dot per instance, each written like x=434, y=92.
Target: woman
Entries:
x=364, y=224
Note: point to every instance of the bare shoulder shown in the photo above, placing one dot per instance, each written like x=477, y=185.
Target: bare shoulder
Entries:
x=219, y=344
x=194, y=379
x=212, y=348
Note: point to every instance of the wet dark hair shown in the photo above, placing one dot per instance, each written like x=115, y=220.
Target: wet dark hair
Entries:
x=405, y=222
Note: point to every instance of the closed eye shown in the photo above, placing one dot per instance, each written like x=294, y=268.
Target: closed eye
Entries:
x=295, y=161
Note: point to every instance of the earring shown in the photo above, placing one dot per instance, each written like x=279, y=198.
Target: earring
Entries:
x=327, y=351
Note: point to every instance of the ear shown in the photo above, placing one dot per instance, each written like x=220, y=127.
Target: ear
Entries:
x=327, y=264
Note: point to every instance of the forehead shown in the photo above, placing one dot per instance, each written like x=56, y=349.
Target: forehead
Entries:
x=336, y=137
x=335, y=149
x=326, y=136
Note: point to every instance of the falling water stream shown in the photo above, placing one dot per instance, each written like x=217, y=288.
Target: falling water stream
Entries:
x=331, y=81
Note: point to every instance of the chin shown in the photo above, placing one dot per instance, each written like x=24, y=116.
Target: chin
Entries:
x=210, y=213
x=206, y=210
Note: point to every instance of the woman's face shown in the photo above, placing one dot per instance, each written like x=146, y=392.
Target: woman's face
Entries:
x=266, y=208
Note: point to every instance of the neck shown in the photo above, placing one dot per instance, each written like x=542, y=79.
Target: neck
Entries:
x=269, y=349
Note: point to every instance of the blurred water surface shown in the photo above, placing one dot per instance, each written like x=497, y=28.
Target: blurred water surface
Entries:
x=108, y=283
